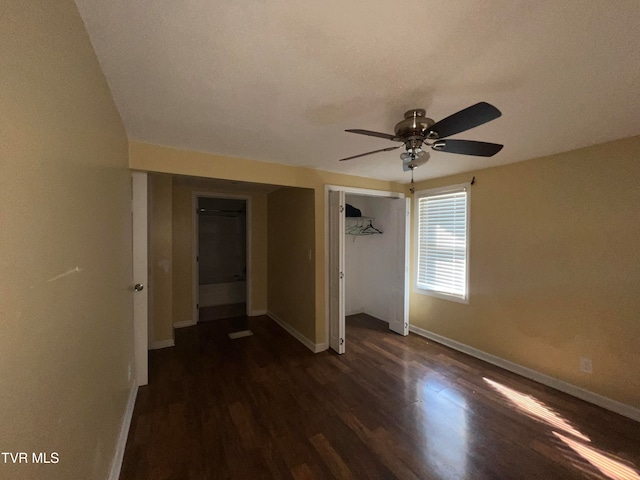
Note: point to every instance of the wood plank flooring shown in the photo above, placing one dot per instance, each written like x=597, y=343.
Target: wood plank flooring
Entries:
x=265, y=407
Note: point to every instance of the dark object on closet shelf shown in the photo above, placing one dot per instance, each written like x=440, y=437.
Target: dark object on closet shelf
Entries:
x=352, y=211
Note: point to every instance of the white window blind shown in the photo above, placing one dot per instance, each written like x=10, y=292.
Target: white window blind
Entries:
x=442, y=242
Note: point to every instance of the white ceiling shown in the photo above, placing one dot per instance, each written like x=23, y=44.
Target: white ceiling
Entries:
x=279, y=81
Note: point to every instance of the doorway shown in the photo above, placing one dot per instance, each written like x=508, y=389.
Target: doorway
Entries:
x=221, y=256
x=368, y=270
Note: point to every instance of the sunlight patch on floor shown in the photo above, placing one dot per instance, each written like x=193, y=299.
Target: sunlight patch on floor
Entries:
x=536, y=409
x=611, y=468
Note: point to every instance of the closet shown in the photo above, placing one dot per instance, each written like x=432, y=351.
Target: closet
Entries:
x=370, y=242
x=368, y=270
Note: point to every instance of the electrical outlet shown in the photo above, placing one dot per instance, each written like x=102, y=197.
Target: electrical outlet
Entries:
x=586, y=365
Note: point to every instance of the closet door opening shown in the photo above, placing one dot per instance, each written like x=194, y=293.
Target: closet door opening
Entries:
x=371, y=288
x=221, y=257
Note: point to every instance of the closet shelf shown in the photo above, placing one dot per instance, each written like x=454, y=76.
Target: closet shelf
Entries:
x=360, y=218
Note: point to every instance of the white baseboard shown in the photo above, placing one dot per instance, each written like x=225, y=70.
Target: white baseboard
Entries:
x=256, y=313
x=186, y=323
x=116, y=463
x=586, y=395
x=370, y=313
x=375, y=315
x=314, y=347
x=162, y=344
x=367, y=312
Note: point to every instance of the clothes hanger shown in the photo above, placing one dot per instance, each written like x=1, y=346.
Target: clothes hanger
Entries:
x=370, y=229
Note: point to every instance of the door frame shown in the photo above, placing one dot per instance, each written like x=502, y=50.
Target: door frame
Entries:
x=195, y=246
x=139, y=274
x=348, y=191
x=336, y=292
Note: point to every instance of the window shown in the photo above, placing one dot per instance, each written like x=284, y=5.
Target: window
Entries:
x=442, y=228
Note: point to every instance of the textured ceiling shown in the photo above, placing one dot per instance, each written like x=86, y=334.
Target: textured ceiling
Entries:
x=279, y=81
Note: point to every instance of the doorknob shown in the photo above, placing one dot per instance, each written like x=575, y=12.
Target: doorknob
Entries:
x=138, y=287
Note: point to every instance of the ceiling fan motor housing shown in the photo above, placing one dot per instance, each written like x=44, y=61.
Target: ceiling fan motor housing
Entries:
x=415, y=125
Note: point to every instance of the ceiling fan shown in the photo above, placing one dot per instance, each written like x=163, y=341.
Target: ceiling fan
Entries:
x=417, y=131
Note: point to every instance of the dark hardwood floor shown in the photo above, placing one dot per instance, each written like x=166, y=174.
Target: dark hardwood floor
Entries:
x=391, y=407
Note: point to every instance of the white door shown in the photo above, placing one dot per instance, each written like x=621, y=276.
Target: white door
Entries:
x=336, y=271
x=140, y=274
x=399, y=321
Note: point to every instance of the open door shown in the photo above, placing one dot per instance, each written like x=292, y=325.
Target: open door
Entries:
x=399, y=321
x=140, y=275
x=336, y=271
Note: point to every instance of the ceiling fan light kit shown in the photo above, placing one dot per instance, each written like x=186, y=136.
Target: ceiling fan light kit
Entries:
x=411, y=163
x=417, y=131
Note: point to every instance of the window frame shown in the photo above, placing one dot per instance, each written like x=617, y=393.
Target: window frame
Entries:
x=466, y=187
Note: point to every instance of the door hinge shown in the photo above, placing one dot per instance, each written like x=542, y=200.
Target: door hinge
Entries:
x=406, y=325
x=342, y=341
x=197, y=306
x=341, y=275
x=341, y=208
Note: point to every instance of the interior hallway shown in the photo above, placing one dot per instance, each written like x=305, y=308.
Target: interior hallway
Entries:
x=391, y=407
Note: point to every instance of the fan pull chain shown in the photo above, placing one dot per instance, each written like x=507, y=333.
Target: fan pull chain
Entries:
x=412, y=190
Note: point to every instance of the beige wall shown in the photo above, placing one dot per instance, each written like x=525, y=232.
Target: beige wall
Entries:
x=160, y=258
x=157, y=158
x=183, y=235
x=65, y=247
x=554, y=268
x=291, y=272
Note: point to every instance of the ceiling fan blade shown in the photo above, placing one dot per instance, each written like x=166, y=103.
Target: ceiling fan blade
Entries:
x=467, y=147
x=375, y=134
x=466, y=119
x=388, y=149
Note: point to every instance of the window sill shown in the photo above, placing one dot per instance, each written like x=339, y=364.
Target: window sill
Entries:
x=442, y=296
